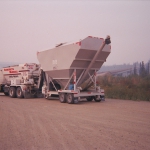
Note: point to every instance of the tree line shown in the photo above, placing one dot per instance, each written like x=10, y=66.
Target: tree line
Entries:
x=136, y=86
x=143, y=70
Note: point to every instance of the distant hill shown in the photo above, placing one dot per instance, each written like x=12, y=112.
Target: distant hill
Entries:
x=115, y=67
x=6, y=64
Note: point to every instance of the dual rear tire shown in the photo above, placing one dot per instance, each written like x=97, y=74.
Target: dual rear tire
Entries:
x=13, y=92
x=19, y=93
x=62, y=97
x=69, y=98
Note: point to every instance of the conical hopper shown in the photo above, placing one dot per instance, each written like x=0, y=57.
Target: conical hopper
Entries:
x=60, y=62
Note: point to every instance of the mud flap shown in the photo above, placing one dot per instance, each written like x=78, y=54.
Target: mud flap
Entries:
x=39, y=95
x=28, y=95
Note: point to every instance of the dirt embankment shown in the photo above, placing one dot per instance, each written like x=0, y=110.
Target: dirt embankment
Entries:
x=35, y=124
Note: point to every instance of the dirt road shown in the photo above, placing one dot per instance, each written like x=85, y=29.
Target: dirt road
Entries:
x=40, y=124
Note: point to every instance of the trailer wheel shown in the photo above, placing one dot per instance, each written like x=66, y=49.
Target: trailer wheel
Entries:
x=46, y=96
x=62, y=97
x=102, y=98
x=97, y=98
x=70, y=98
x=89, y=98
x=19, y=92
x=12, y=92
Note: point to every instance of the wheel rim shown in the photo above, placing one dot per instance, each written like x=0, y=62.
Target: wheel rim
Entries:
x=69, y=98
x=19, y=92
x=62, y=96
x=11, y=92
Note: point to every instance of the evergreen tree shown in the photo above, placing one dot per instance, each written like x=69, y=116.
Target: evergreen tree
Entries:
x=148, y=69
x=142, y=70
x=135, y=70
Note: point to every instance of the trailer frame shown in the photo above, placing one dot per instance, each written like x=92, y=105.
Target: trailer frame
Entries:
x=97, y=94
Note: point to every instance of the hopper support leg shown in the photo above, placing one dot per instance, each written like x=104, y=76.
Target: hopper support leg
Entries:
x=74, y=79
x=69, y=81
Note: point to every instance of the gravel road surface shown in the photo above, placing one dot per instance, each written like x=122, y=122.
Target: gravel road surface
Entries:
x=40, y=124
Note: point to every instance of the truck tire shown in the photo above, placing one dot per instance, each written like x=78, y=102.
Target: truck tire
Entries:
x=19, y=92
x=70, y=98
x=46, y=96
x=12, y=92
x=102, y=98
x=62, y=97
x=97, y=98
x=89, y=98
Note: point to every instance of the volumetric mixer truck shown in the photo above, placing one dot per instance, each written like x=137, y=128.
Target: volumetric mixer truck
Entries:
x=20, y=80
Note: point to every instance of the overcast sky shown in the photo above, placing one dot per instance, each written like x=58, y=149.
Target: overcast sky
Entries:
x=30, y=26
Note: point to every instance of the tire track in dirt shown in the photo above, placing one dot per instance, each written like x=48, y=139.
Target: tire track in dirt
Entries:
x=35, y=124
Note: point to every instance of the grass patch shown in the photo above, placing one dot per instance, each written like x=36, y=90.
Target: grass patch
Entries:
x=131, y=88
